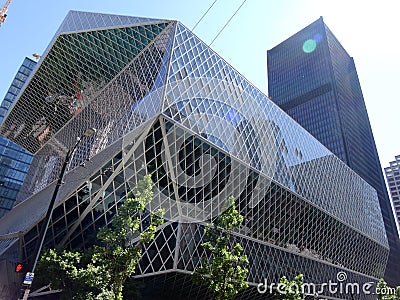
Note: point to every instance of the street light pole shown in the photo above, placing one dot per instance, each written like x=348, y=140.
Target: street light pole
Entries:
x=50, y=208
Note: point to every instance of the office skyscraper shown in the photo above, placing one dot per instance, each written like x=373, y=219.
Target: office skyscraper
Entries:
x=14, y=160
x=393, y=180
x=165, y=104
x=313, y=79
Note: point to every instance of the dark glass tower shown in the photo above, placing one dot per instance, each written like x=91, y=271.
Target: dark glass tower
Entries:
x=14, y=160
x=313, y=79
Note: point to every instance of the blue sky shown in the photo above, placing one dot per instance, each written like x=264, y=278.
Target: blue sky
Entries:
x=368, y=30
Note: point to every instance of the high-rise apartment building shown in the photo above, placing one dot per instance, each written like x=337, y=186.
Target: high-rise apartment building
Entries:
x=314, y=80
x=393, y=180
x=14, y=160
x=165, y=104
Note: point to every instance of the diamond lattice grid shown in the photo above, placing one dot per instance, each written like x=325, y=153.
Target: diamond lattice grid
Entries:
x=117, y=108
x=75, y=69
x=282, y=233
x=268, y=263
x=85, y=21
x=210, y=98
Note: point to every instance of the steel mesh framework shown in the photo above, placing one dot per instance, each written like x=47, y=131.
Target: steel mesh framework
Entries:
x=165, y=104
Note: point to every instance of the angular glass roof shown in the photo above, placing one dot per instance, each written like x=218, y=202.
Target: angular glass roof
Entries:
x=75, y=68
x=81, y=20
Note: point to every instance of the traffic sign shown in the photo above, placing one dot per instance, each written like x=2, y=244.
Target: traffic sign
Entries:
x=28, y=278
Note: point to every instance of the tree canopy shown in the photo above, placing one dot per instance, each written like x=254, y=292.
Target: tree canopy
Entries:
x=100, y=273
x=224, y=269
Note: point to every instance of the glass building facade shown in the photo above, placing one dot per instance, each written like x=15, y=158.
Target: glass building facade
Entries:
x=14, y=160
x=313, y=79
x=393, y=180
x=165, y=104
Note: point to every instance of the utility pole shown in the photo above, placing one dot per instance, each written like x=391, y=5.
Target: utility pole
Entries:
x=46, y=221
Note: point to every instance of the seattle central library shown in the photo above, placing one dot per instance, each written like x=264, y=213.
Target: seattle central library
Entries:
x=165, y=104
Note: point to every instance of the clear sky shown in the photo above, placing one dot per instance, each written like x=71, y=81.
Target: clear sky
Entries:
x=368, y=30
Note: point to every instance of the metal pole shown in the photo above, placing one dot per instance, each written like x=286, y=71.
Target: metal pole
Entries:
x=50, y=208
x=46, y=220
x=49, y=212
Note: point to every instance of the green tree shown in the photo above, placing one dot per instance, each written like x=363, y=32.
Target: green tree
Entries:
x=397, y=293
x=381, y=289
x=69, y=271
x=224, y=272
x=103, y=274
x=290, y=290
x=385, y=292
